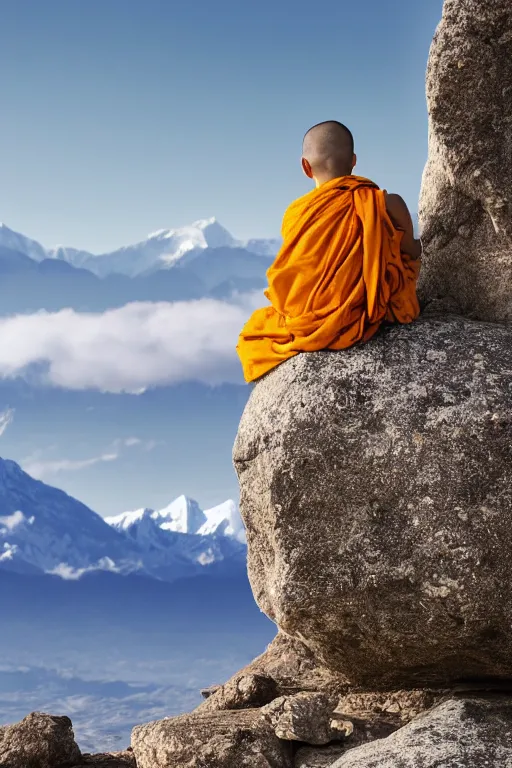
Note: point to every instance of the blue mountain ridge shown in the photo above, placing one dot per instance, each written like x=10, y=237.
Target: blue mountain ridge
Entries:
x=45, y=531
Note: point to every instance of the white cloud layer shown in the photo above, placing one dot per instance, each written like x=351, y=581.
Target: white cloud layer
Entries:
x=10, y=522
x=68, y=573
x=131, y=348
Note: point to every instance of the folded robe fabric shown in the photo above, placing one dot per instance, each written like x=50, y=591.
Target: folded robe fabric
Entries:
x=339, y=274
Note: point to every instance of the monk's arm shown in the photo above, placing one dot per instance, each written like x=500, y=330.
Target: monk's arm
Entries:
x=402, y=220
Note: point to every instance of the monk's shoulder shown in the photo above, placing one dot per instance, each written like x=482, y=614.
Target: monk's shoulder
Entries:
x=301, y=201
x=297, y=207
x=395, y=204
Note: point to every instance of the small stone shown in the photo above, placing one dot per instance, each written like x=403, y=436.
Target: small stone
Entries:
x=207, y=692
x=244, y=691
x=306, y=717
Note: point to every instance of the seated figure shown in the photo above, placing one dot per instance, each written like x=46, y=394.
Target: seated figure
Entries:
x=349, y=262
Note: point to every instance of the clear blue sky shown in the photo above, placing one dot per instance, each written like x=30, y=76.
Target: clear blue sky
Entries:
x=119, y=117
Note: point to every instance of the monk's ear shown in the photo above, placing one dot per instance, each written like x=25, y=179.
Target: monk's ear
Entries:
x=354, y=161
x=307, y=168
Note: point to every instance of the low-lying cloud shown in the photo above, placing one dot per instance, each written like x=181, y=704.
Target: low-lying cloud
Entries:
x=129, y=349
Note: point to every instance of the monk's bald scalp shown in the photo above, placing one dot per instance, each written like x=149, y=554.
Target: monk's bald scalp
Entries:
x=329, y=148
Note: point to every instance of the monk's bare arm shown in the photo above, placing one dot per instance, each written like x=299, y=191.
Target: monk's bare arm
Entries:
x=402, y=220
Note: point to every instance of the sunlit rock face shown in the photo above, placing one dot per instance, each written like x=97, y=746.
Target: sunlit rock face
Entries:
x=376, y=488
x=466, y=199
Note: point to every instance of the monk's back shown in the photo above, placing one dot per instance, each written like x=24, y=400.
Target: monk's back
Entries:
x=339, y=274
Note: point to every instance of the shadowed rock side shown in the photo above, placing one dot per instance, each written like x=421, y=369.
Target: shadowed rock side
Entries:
x=39, y=741
x=376, y=488
x=124, y=759
x=470, y=732
x=466, y=204
x=47, y=741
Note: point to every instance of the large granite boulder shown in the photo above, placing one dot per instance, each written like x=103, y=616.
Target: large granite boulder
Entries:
x=39, y=741
x=464, y=732
x=466, y=200
x=238, y=739
x=376, y=489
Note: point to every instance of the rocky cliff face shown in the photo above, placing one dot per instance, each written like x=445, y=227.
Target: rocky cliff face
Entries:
x=466, y=198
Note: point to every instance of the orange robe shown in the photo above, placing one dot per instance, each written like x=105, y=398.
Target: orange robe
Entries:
x=339, y=274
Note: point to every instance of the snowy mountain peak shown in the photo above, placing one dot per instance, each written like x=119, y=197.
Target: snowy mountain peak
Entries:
x=162, y=249
x=9, y=470
x=184, y=515
x=127, y=519
x=43, y=530
x=17, y=242
x=224, y=520
x=203, y=223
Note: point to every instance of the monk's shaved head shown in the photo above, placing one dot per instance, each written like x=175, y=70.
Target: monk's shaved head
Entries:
x=329, y=149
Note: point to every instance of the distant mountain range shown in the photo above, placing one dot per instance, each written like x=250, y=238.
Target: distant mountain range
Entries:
x=45, y=531
x=201, y=260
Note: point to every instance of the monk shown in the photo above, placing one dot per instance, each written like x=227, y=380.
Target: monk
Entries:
x=349, y=262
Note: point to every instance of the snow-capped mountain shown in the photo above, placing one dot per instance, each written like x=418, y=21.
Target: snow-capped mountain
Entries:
x=163, y=249
x=184, y=515
x=200, y=261
x=14, y=241
x=43, y=530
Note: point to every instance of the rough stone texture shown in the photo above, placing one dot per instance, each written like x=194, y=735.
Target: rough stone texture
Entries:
x=376, y=489
x=466, y=200
x=111, y=760
x=313, y=757
x=207, y=692
x=473, y=732
x=377, y=715
x=243, y=691
x=39, y=741
x=393, y=707
x=294, y=668
x=307, y=717
x=242, y=739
